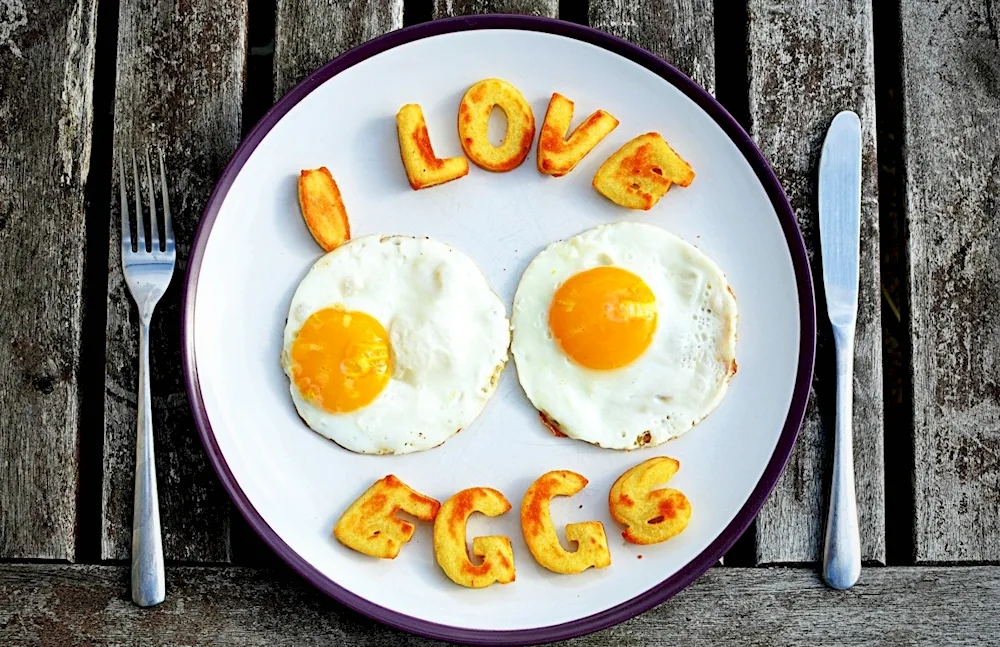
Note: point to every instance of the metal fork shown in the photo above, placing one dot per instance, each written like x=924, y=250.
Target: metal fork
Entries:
x=147, y=272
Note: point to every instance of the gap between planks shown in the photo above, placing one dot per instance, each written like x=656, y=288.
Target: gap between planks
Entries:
x=897, y=386
x=95, y=290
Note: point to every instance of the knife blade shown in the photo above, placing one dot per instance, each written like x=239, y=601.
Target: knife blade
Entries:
x=840, y=216
x=840, y=247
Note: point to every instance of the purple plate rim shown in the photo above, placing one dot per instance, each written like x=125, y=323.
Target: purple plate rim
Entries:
x=807, y=346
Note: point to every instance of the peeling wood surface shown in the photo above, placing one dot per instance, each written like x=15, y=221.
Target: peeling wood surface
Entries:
x=447, y=8
x=309, y=33
x=72, y=605
x=681, y=33
x=809, y=61
x=46, y=114
x=180, y=86
x=951, y=98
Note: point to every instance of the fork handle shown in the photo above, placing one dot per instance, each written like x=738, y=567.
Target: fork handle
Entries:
x=842, y=550
x=148, y=577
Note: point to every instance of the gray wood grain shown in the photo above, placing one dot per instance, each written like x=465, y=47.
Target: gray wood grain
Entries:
x=807, y=62
x=681, y=33
x=447, y=8
x=89, y=605
x=46, y=79
x=180, y=86
x=951, y=98
x=309, y=33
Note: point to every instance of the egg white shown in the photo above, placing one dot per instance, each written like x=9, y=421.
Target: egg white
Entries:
x=679, y=379
x=448, y=333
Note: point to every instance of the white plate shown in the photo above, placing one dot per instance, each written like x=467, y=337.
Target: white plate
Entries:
x=252, y=249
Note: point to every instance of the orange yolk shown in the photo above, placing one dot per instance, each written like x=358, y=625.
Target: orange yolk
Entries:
x=340, y=359
x=603, y=318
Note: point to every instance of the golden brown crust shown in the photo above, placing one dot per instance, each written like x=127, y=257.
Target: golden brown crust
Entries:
x=650, y=516
x=540, y=533
x=370, y=525
x=557, y=154
x=323, y=208
x=449, y=540
x=473, y=125
x=552, y=425
x=639, y=173
x=423, y=168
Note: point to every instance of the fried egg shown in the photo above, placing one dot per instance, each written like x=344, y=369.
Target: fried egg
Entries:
x=393, y=344
x=624, y=335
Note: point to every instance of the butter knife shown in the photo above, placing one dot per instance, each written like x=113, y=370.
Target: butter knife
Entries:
x=840, y=242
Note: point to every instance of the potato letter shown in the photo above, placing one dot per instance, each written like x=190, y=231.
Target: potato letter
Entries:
x=641, y=171
x=474, y=119
x=423, y=168
x=650, y=516
x=540, y=533
x=323, y=209
x=558, y=155
x=449, y=540
x=370, y=525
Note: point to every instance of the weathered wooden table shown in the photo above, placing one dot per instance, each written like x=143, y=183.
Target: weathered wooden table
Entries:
x=80, y=78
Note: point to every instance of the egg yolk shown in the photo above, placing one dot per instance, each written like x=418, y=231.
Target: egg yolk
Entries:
x=603, y=318
x=340, y=359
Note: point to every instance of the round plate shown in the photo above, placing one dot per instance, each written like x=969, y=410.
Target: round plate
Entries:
x=252, y=249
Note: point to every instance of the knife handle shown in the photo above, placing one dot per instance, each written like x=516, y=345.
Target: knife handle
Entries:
x=842, y=549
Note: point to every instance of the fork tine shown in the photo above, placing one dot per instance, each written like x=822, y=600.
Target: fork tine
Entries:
x=154, y=231
x=139, y=228
x=126, y=233
x=168, y=226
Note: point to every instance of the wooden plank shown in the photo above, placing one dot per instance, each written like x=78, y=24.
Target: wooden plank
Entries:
x=46, y=80
x=447, y=8
x=89, y=605
x=681, y=33
x=180, y=86
x=308, y=33
x=809, y=61
x=951, y=99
